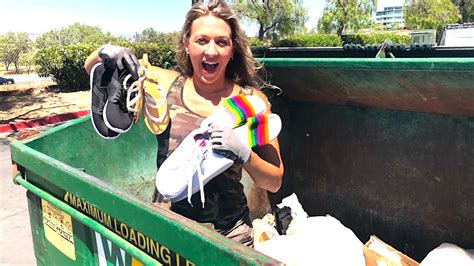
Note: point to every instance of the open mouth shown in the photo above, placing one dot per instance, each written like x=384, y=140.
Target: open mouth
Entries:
x=209, y=67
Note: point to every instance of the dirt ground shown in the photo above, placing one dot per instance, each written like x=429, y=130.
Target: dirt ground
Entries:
x=38, y=99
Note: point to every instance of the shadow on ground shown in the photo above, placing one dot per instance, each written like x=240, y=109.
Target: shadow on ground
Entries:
x=20, y=99
x=28, y=103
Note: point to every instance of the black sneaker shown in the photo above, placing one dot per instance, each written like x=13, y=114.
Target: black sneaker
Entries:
x=99, y=79
x=116, y=115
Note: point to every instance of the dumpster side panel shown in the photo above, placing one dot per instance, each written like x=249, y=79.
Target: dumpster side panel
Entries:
x=433, y=85
x=36, y=223
x=46, y=253
x=406, y=177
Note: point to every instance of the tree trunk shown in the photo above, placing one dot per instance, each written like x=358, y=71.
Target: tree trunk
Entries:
x=339, y=30
x=461, y=10
x=261, y=33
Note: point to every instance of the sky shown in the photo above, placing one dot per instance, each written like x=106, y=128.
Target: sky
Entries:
x=116, y=16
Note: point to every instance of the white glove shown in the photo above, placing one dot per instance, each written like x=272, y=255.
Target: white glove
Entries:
x=225, y=142
x=119, y=56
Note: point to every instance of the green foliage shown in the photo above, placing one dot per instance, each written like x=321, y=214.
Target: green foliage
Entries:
x=12, y=45
x=161, y=55
x=276, y=19
x=340, y=15
x=27, y=60
x=256, y=42
x=61, y=54
x=149, y=35
x=65, y=64
x=422, y=14
x=309, y=40
x=466, y=9
x=375, y=38
x=76, y=34
x=468, y=12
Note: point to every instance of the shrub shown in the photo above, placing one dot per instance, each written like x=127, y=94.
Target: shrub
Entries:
x=162, y=55
x=375, y=38
x=65, y=64
x=256, y=42
x=309, y=40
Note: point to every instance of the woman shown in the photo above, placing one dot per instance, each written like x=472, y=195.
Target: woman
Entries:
x=215, y=63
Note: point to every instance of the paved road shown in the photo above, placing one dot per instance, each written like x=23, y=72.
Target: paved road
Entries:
x=16, y=243
x=28, y=78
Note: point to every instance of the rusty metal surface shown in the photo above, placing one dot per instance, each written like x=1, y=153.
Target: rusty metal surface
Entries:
x=406, y=177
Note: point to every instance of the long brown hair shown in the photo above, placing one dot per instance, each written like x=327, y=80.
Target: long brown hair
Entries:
x=242, y=67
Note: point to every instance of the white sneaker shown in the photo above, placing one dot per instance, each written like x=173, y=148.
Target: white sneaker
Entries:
x=191, y=166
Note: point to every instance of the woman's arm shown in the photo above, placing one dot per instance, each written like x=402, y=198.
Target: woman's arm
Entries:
x=264, y=164
x=91, y=60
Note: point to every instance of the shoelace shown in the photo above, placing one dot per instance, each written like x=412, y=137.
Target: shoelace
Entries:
x=151, y=102
x=134, y=92
x=198, y=155
x=201, y=149
x=137, y=90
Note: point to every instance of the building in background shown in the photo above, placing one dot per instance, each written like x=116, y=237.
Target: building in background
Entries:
x=390, y=17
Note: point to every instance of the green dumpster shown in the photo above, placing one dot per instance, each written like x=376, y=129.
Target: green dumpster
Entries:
x=89, y=202
x=383, y=145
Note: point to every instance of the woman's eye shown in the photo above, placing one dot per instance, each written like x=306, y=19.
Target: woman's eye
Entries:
x=202, y=41
x=222, y=42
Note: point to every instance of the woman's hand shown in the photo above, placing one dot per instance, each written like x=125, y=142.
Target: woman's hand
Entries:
x=224, y=141
x=119, y=56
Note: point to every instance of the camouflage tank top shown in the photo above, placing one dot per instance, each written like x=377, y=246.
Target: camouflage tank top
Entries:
x=225, y=201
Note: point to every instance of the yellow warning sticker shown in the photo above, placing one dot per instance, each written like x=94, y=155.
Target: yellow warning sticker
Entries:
x=58, y=229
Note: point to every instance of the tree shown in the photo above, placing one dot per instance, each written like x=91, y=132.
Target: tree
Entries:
x=340, y=15
x=466, y=9
x=12, y=45
x=275, y=18
x=149, y=35
x=27, y=60
x=421, y=14
x=75, y=34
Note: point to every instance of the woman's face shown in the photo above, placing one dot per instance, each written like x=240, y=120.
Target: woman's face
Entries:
x=210, y=48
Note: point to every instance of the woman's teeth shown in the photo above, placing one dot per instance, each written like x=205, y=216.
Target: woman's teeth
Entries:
x=209, y=67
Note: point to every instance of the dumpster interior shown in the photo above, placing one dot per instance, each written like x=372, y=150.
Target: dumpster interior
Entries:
x=388, y=152
x=127, y=163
